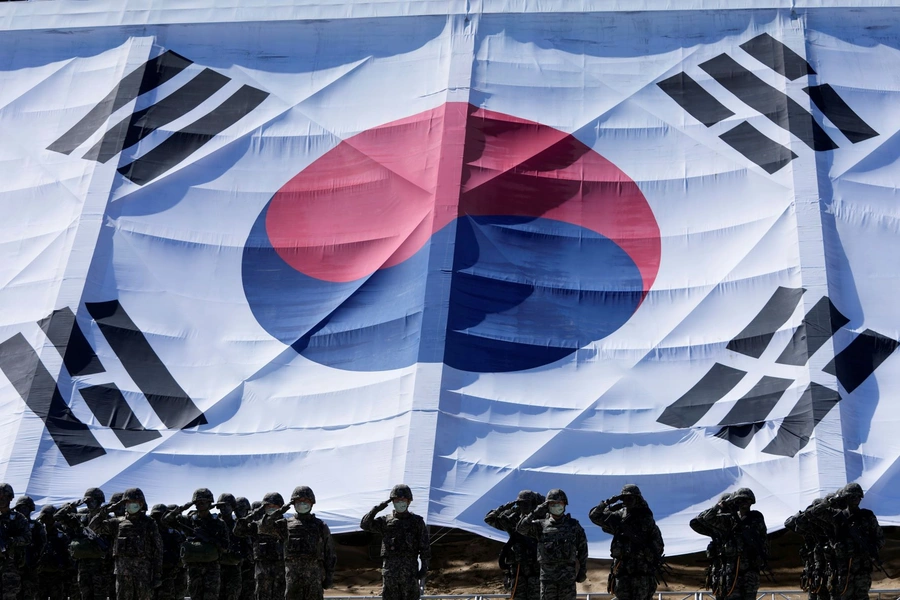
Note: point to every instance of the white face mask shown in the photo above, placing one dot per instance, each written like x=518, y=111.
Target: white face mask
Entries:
x=401, y=505
x=271, y=511
x=302, y=508
x=557, y=509
x=133, y=508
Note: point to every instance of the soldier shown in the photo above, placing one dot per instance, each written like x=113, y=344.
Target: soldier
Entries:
x=34, y=550
x=207, y=537
x=118, y=511
x=242, y=508
x=309, y=556
x=636, y=547
x=54, y=564
x=814, y=578
x=172, y=574
x=518, y=558
x=137, y=551
x=230, y=560
x=715, y=568
x=14, y=535
x=561, y=546
x=857, y=539
x=268, y=551
x=404, y=542
x=88, y=549
x=744, y=547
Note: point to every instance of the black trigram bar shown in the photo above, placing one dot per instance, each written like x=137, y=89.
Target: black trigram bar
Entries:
x=797, y=427
x=748, y=415
x=170, y=402
x=777, y=57
x=691, y=96
x=139, y=125
x=819, y=324
x=839, y=113
x=857, y=361
x=696, y=402
x=182, y=144
x=34, y=383
x=67, y=337
x=753, y=144
x=755, y=337
x=112, y=410
x=777, y=106
x=148, y=76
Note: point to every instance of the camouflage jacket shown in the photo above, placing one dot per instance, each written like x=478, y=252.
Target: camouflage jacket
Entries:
x=136, y=539
x=637, y=544
x=520, y=550
x=15, y=535
x=306, y=539
x=561, y=544
x=403, y=535
x=743, y=537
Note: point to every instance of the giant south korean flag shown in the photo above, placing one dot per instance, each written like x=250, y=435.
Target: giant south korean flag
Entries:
x=352, y=244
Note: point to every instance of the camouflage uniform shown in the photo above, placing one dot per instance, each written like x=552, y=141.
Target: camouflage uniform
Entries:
x=207, y=535
x=309, y=556
x=243, y=508
x=814, y=578
x=15, y=536
x=518, y=558
x=230, y=560
x=268, y=551
x=404, y=541
x=173, y=582
x=716, y=567
x=636, y=547
x=561, y=546
x=32, y=553
x=744, y=546
x=89, y=550
x=137, y=550
x=857, y=539
x=54, y=564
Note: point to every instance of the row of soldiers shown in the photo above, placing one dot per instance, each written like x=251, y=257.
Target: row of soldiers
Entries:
x=547, y=549
x=841, y=545
x=96, y=550
x=243, y=553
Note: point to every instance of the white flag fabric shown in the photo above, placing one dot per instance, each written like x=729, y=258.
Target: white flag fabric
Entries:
x=474, y=247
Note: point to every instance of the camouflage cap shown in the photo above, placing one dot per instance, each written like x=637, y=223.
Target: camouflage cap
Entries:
x=744, y=494
x=227, y=499
x=303, y=491
x=135, y=495
x=203, y=494
x=6, y=491
x=95, y=494
x=401, y=490
x=851, y=490
x=273, y=498
x=26, y=503
x=48, y=510
x=557, y=495
x=158, y=509
x=629, y=489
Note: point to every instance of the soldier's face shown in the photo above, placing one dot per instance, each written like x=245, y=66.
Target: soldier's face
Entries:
x=628, y=501
x=92, y=504
x=4, y=503
x=202, y=505
x=853, y=501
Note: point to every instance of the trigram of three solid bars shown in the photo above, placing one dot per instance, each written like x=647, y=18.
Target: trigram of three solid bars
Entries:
x=774, y=104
